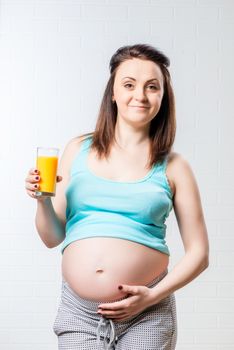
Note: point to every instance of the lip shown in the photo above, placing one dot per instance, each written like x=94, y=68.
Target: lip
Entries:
x=139, y=106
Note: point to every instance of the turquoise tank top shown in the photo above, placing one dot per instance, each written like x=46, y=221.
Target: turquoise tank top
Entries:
x=99, y=207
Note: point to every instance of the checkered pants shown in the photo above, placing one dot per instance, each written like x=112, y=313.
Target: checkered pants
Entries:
x=78, y=326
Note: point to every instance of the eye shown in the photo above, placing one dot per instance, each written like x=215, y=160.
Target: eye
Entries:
x=153, y=87
x=127, y=85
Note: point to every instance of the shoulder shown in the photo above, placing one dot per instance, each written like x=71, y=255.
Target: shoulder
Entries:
x=76, y=141
x=74, y=144
x=179, y=170
x=177, y=160
x=71, y=148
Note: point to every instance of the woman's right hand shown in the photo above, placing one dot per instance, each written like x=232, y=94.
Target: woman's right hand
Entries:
x=32, y=183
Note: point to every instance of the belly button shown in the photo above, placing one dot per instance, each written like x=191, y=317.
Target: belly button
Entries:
x=99, y=270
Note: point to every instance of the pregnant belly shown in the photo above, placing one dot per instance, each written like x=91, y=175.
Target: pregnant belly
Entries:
x=94, y=267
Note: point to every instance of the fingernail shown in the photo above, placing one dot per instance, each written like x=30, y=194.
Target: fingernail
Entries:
x=36, y=171
x=120, y=287
x=37, y=177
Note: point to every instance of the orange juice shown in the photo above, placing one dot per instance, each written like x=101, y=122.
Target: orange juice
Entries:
x=47, y=167
x=47, y=163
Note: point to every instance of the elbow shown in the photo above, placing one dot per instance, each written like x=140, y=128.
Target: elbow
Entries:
x=205, y=262
x=201, y=257
x=54, y=243
x=49, y=245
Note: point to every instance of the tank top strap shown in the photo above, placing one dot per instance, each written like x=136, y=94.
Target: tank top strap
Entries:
x=161, y=171
x=85, y=145
x=164, y=164
x=79, y=161
x=161, y=167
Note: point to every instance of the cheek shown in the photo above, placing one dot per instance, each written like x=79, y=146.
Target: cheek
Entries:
x=123, y=100
x=158, y=99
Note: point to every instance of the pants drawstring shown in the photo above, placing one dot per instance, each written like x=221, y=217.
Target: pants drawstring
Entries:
x=109, y=328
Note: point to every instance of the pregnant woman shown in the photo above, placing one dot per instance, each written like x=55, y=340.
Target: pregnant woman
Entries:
x=116, y=187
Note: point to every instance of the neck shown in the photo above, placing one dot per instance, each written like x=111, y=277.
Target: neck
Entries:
x=127, y=137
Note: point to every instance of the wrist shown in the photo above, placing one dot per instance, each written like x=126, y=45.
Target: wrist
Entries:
x=43, y=200
x=153, y=298
x=156, y=294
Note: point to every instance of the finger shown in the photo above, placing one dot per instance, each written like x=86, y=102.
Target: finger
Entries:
x=32, y=179
x=31, y=194
x=114, y=306
x=59, y=178
x=129, y=289
x=111, y=312
x=34, y=171
x=117, y=304
x=32, y=187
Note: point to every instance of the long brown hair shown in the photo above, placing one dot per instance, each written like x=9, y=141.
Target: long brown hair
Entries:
x=162, y=129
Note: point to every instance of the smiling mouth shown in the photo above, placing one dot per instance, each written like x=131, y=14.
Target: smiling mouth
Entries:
x=139, y=106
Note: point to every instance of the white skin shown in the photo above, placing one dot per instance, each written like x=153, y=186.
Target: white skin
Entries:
x=132, y=126
x=131, y=133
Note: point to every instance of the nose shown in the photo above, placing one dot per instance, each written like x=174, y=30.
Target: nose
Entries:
x=139, y=94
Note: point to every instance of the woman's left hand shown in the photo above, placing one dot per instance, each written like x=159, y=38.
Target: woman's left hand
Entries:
x=138, y=299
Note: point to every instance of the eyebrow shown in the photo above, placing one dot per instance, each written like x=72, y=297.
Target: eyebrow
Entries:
x=135, y=79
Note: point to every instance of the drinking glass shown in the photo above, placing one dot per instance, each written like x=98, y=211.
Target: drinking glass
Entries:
x=47, y=164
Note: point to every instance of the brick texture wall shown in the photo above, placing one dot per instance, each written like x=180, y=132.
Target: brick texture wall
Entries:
x=54, y=58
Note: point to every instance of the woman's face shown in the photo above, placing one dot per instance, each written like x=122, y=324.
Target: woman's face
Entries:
x=138, y=91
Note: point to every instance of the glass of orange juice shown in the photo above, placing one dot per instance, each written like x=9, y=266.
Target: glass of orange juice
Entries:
x=47, y=164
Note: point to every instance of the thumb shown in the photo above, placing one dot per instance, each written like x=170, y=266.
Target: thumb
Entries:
x=59, y=178
x=128, y=289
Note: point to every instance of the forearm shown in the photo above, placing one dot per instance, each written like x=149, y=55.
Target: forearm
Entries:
x=50, y=228
x=188, y=268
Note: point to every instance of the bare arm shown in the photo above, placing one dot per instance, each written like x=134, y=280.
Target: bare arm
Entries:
x=50, y=217
x=189, y=214
x=49, y=227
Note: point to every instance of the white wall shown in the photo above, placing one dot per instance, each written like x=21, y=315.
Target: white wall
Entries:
x=54, y=58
